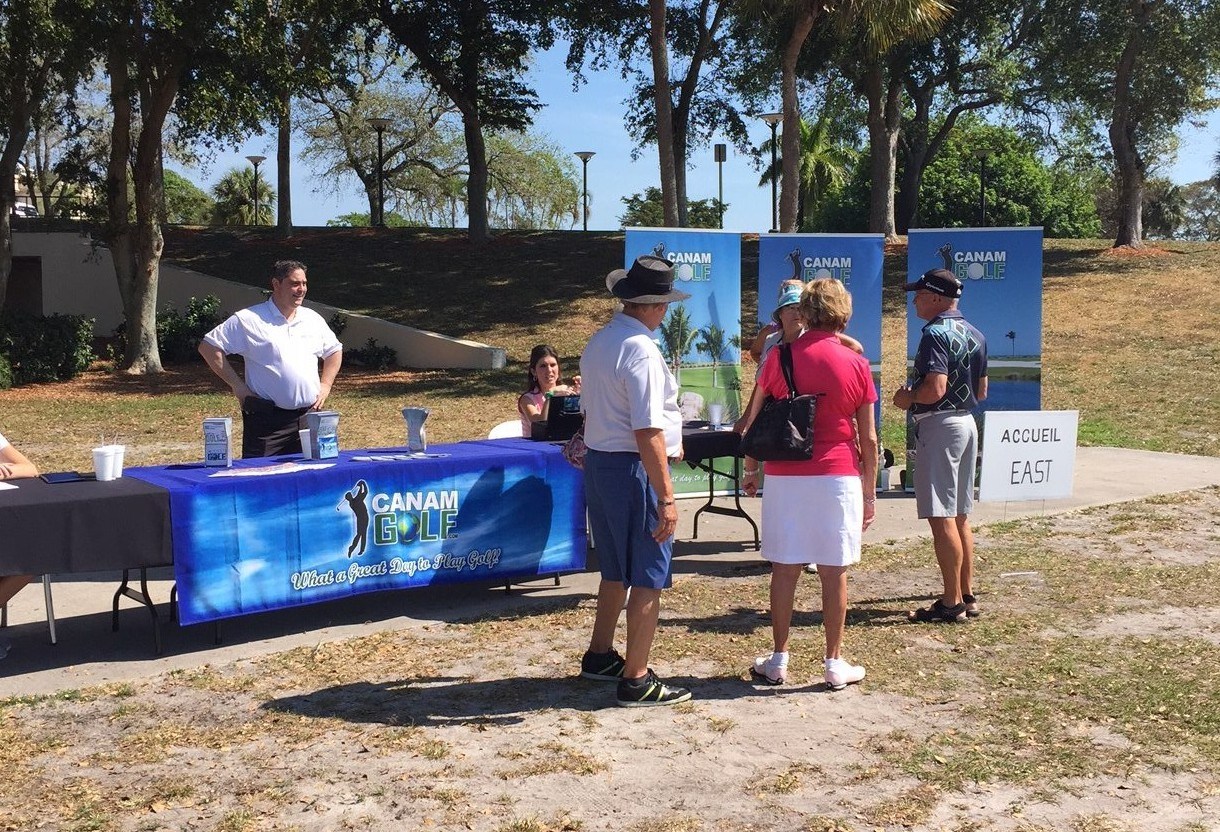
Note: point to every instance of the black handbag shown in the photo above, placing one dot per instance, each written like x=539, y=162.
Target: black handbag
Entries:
x=783, y=429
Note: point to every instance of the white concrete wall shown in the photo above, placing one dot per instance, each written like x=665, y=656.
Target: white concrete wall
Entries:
x=78, y=279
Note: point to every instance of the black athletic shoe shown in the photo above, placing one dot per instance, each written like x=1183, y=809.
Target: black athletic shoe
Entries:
x=603, y=667
x=648, y=692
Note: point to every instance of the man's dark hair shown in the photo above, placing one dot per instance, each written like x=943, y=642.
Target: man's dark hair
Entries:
x=283, y=268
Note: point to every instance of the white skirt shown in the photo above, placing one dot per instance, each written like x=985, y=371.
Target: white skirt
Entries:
x=814, y=519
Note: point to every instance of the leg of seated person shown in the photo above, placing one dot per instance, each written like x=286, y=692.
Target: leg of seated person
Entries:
x=10, y=585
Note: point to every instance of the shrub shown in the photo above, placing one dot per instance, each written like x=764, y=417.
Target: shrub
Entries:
x=46, y=347
x=6, y=374
x=179, y=334
x=375, y=356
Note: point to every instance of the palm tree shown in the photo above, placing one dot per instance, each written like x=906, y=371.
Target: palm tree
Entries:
x=234, y=195
x=677, y=337
x=1011, y=335
x=712, y=343
x=824, y=165
x=881, y=25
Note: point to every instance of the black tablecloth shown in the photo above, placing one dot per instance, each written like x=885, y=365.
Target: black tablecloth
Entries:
x=699, y=443
x=83, y=526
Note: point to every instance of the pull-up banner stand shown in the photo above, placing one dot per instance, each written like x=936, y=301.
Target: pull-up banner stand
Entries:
x=1001, y=274
x=855, y=260
x=699, y=337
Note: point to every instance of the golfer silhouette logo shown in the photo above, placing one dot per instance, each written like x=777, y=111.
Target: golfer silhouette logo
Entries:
x=795, y=257
x=355, y=500
x=946, y=252
x=659, y=250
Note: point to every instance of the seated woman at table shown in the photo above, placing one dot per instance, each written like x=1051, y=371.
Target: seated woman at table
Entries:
x=542, y=380
x=13, y=466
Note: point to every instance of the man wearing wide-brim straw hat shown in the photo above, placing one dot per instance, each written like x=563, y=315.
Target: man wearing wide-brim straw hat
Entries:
x=633, y=427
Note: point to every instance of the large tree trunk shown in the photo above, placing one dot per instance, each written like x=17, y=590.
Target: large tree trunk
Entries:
x=16, y=131
x=664, y=106
x=283, y=168
x=1127, y=160
x=884, y=120
x=476, y=181
x=8, y=198
x=680, y=156
x=136, y=250
x=790, y=142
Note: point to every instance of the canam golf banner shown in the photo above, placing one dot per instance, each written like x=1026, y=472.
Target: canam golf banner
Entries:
x=699, y=336
x=1001, y=274
x=855, y=260
x=268, y=534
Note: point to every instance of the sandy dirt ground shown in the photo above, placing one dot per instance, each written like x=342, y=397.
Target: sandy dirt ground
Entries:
x=482, y=725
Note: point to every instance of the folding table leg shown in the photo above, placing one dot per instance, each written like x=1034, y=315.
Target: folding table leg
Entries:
x=46, y=595
x=125, y=591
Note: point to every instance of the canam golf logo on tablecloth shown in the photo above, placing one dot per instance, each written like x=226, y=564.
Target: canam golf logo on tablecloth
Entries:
x=401, y=518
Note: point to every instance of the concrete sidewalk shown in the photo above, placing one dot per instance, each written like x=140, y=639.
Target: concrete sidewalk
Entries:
x=88, y=652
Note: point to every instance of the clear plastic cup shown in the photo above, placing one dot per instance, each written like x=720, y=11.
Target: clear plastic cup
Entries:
x=306, y=444
x=715, y=412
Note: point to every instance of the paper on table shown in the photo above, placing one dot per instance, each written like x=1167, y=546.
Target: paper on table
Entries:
x=5, y=486
x=267, y=470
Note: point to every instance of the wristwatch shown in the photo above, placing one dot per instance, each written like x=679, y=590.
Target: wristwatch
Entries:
x=665, y=502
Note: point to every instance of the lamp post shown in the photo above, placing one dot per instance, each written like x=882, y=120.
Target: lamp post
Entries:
x=982, y=157
x=721, y=153
x=380, y=125
x=256, y=161
x=774, y=119
x=585, y=156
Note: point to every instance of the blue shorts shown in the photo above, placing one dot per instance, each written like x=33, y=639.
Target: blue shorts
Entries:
x=622, y=517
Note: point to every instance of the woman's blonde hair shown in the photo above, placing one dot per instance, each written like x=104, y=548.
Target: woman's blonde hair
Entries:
x=826, y=305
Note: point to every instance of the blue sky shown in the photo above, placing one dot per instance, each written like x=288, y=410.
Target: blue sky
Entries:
x=592, y=119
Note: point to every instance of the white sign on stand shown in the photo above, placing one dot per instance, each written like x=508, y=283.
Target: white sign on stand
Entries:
x=1028, y=455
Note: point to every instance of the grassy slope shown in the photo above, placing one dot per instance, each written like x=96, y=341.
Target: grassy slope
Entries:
x=1130, y=341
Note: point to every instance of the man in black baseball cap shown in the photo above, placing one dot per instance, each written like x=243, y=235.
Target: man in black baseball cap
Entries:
x=948, y=381
x=939, y=281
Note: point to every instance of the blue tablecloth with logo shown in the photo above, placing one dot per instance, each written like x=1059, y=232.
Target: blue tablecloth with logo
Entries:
x=284, y=532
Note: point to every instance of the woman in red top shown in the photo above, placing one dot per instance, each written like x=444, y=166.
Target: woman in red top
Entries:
x=816, y=511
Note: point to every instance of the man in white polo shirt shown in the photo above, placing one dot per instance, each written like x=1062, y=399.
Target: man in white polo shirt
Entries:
x=281, y=342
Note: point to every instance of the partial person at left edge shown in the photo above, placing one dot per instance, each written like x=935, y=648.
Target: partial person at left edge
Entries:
x=282, y=343
x=13, y=466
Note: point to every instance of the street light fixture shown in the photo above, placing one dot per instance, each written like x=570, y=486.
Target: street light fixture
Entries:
x=982, y=155
x=256, y=161
x=380, y=125
x=585, y=156
x=721, y=153
x=774, y=119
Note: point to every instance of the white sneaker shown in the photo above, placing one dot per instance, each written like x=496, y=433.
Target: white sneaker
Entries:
x=767, y=671
x=840, y=674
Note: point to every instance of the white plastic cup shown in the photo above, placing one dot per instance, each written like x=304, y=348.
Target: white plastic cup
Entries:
x=306, y=444
x=883, y=479
x=108, y=462
x=101, y=464
x=715, y=412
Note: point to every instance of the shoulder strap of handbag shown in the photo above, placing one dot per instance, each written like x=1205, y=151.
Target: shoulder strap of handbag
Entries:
x=785, y=364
